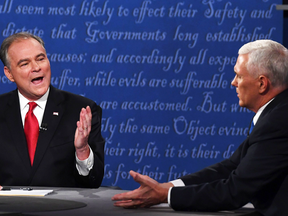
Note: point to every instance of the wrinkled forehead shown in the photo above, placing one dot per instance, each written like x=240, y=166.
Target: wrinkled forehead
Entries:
x=24, y=48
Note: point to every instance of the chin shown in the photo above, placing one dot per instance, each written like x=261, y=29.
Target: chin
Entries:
x=41, y=92
x=44, y=88
x=241, y=104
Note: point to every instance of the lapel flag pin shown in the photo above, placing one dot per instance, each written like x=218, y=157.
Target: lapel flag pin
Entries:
x=55, y=113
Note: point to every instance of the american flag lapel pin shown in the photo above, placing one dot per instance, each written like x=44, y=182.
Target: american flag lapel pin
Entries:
x=55, y=113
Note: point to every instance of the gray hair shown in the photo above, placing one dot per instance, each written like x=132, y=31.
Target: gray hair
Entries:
x=12, y=38
x=269, y=58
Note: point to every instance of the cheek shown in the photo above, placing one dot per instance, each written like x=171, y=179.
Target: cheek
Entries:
x=46, y=65
x=242, y=87
x=21, y=75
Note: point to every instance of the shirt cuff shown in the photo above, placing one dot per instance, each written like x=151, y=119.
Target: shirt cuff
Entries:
x=176, y=183
x=84, y=166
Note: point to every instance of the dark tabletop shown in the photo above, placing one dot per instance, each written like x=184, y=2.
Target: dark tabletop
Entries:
x=86, y=202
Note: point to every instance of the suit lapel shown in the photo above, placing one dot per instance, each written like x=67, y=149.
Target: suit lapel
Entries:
x=52, y=116
x=14, y=123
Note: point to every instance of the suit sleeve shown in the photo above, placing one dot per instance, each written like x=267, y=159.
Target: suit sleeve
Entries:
x=254, y=171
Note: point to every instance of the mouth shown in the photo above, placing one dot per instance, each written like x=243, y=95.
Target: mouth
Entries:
x=237, y=94
x=37, y=80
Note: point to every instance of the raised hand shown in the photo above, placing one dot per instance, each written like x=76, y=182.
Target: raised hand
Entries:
x=82, y=133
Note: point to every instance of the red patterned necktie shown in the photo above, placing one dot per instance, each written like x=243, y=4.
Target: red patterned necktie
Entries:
x=31, y=130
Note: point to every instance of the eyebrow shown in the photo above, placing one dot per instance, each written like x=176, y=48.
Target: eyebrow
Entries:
x=27, y=59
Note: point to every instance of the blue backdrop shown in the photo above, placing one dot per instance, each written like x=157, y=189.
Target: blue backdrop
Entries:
x=160, y=69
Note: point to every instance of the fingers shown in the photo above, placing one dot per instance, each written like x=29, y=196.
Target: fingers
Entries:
x=146, y=183
x=136, y=194
x=129, y=203
x=143, y=180
x=84, y=123
x=137, y=177
x=125, y=196
x=144, y=196
x=83, y=129
x=133, y=174
x=123, y=203
x=85, y=118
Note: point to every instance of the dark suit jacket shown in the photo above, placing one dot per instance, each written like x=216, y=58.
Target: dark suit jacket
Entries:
x=256, y=172
x=54, y=162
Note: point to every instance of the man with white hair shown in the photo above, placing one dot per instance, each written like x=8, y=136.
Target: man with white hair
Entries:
x=257, y=171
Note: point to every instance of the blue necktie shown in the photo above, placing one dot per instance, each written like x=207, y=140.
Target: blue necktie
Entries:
x=251, y=127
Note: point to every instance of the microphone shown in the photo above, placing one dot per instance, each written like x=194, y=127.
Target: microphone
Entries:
x=43, y=127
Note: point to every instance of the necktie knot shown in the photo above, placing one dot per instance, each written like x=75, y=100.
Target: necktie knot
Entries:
x=32, y=106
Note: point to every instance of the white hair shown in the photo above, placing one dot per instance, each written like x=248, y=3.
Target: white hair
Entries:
x=269, y=58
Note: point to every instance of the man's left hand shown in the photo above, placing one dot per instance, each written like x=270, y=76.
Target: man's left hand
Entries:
x=82, y=133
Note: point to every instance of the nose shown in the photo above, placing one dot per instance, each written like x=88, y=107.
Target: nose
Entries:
x=233, y=82
x=35, y=66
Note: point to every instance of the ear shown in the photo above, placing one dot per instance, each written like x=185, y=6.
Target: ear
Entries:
x=8, y=74
x=263, y=84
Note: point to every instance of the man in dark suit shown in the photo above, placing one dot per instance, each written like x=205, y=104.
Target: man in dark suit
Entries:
x=257, y=171
x=69, y=149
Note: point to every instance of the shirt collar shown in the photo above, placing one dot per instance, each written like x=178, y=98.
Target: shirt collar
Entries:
x=41, y=102
x=259, y=112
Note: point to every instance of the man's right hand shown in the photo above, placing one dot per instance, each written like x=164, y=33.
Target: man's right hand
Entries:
x=149, y=193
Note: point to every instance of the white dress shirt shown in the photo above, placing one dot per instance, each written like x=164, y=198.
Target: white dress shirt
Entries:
x=83, y=166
